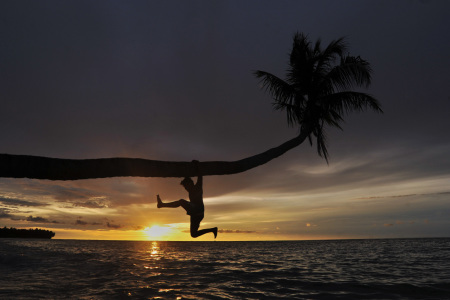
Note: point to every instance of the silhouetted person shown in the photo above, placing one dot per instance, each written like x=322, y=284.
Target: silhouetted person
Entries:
x=194, y=207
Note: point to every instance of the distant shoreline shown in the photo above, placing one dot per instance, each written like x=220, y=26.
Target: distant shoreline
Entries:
x=26, y=233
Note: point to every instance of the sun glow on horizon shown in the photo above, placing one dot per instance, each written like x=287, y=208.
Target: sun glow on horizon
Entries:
x=157, y=232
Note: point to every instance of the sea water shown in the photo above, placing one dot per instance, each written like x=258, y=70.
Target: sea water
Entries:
x=338, y=269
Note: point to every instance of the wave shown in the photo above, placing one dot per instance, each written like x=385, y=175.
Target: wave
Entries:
x=357, y=269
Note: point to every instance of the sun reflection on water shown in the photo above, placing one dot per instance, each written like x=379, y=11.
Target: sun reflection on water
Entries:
x=155, y=251
x=153, y=255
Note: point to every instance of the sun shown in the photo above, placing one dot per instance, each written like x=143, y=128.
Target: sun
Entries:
x=157, y=232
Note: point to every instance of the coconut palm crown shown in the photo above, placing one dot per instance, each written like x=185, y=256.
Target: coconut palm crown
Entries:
x=318, y=87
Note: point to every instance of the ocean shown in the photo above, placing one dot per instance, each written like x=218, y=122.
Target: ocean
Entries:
x=333, y=269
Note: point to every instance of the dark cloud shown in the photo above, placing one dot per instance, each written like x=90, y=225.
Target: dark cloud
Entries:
x=70, y=194
x=60, y=191
x=39, y=220
x=19, y=202
x=4, y=214
x=80, y=222
x=113, y=226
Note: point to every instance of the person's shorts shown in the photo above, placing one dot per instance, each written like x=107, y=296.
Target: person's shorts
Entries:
x=195, y=211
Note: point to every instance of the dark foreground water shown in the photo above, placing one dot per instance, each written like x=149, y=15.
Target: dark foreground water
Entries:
x=344, y=269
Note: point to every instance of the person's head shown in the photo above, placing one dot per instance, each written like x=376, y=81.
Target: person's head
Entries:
x=187, y=183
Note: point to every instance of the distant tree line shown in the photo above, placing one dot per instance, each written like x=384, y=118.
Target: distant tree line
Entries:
x=25, y=233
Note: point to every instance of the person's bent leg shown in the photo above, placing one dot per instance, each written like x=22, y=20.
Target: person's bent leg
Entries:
x=178, y=203
x=200, y=232
x=195, y=224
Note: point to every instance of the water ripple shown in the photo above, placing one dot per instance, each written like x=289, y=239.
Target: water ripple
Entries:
x=358, y=269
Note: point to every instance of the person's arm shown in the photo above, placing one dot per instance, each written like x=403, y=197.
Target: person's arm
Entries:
x=199, y=174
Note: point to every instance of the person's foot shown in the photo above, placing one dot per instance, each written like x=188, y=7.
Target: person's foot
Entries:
x=215, y=232
x=159, y=205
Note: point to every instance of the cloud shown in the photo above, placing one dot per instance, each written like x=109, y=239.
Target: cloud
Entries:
x=19, y=202
x=92, y=204
x=235, y=231
x=4, y=214
x=113, y=226
x=80, y=222
x=39, y=220
x=402, y=196
x=72, y=193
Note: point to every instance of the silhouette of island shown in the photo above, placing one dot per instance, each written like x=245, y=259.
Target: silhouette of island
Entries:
x=26, y=233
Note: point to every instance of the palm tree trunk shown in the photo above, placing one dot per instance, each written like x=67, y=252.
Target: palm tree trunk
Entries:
x=26, y=166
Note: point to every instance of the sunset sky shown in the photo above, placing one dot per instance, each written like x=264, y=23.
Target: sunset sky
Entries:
x=172, y=80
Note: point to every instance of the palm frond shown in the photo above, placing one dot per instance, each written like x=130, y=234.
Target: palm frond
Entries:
x=351, y=72
x=321, y=141
x=293, y=113
x=301, y=50
x=348, y=101
x=336, y=47
x=317, y=47
x=332, y=52
x=333, y=119
x=279, y=89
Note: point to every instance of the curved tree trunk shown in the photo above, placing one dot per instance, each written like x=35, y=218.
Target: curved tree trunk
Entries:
x=26, y=166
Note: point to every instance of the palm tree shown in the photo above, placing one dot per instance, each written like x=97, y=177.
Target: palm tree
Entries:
x=317, y=92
